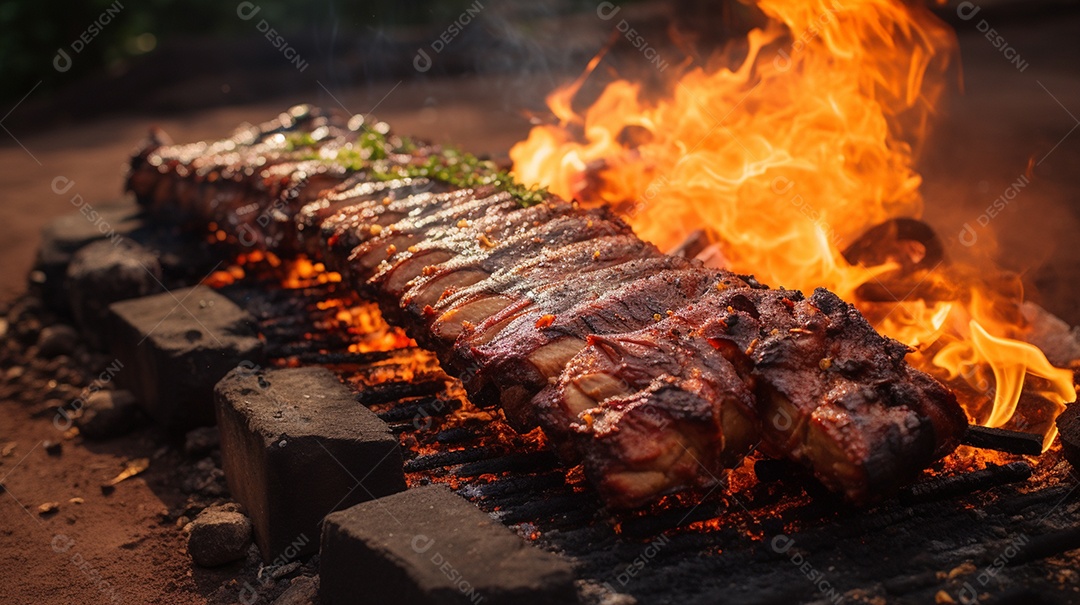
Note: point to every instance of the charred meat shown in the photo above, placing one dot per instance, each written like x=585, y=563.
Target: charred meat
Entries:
x=654, y=372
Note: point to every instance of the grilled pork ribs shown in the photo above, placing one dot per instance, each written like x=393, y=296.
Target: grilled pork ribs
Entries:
x=653, y=371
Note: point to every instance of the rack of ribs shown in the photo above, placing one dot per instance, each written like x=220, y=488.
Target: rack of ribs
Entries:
x=655, y=373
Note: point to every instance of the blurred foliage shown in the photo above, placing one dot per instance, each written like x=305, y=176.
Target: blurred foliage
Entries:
x=32, y=31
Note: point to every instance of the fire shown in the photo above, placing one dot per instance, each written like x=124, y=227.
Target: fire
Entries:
x=803, y=141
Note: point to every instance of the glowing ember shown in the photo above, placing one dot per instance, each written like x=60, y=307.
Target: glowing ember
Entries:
x=786, y=159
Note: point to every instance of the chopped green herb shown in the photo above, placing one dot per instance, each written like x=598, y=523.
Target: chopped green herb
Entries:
x=299, y=140
x=371, y=152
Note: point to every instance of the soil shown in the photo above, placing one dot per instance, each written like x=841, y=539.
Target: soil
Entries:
x=119, y=545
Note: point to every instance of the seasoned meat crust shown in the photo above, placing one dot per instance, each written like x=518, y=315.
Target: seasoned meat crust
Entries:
x=654, y=372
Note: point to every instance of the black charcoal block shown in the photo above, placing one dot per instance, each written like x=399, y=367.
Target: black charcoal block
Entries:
x=175, y=347
x=296, y=446
x=428, y=546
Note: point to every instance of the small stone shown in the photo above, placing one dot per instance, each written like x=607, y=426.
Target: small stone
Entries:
x=108, y=414
x=202, y=441
x=64, y=236
x=105, y=272
x=304, y=590
x=48, y=508
x=602, y=594
x=205, y=478
x=57, y=340
x=66, y=391
x=281, y=571
x=76, y=500
x=218, y=536
x=25, y=319
x=53, y=448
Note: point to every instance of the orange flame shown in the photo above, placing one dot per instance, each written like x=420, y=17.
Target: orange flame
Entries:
x=785, y=158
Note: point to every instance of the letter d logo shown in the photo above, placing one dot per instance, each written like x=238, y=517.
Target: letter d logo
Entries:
x=62, y=61
x=62, y=543
x=422, y=543
x=421, y=62
x=967, y=236
x=247, y=10
x=62, y=184
x=782, y=60
x=246, y=235
x=967, y=10
x=607, y=10
x=781, y=543
x=782, y=420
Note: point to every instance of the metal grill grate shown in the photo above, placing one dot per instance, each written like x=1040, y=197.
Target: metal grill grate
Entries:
x=772, y=538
